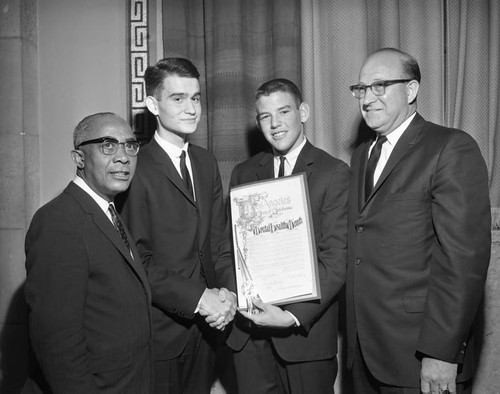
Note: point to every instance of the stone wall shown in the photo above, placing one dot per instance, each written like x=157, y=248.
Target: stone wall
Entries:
x=19, y=178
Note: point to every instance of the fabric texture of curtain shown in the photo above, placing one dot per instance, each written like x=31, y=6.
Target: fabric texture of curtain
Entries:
x=237, y=45
x=321, y=45
x=456, y=43
x=472, y=72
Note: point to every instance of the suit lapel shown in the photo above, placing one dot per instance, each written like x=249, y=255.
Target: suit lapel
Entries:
x=362, y=173
x=167, y=168
x=304, y=163
x=266, y=167
x=305, y=160
x=403, y=146
x=104, y=224
x=199, y=180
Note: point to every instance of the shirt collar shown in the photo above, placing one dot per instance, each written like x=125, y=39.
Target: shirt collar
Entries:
x=173, y=151
x=293, y=154
x=394, y=136
x=103, y=204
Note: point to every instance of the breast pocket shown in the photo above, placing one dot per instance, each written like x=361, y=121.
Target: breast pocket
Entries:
x=112, y=371
x=409, y=219
x=110, y=362
x=414, y=304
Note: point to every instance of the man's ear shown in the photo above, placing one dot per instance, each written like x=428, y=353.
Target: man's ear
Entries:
x=257, y=123
x=78, y=157
x=412, y=89
x=152, y=104
x=304, y=112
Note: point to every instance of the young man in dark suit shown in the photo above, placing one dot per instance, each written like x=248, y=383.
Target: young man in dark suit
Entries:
x=292, y=348
x=86, y=289
x=419, y=240
x=176, y=214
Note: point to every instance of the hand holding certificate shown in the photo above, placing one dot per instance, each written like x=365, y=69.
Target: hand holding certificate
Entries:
x=274, y=242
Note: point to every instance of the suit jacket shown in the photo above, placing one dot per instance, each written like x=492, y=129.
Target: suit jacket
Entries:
x=182, y=242
x=418, y=255
x=328, y=183
x=89, y=301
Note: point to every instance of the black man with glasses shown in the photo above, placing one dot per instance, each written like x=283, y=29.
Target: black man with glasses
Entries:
x=86, y=289
x=418, y=240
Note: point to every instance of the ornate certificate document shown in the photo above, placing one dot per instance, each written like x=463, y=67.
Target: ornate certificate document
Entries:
x=273, y=239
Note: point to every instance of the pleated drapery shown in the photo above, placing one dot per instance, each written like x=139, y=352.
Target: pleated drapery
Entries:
x=321, y=45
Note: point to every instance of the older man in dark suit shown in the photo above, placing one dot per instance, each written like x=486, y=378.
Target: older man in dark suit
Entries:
x=419, y=240
x=293, y=348
x=87, y=292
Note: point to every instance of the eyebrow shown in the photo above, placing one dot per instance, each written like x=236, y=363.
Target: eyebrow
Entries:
x=108, y=137
x=287, y=106
x=184, y=94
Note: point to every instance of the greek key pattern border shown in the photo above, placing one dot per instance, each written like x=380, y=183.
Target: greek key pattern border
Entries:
x=139, y=52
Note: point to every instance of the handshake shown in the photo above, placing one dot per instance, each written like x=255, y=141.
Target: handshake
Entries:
x=218, y=306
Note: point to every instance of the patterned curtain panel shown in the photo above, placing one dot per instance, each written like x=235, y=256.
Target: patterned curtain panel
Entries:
x=472, y=71
x=321, y=45
x=455, y=41
x=237, y=45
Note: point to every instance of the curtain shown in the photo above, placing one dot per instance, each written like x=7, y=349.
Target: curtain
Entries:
x=337, y=36
x=456, y=43
x=472, y=72
x=321, y=46
x=236, y=45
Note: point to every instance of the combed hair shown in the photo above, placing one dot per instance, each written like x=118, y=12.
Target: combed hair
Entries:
x=155, y=75
x=409, y=64
x=279, y=85
x=84, y=128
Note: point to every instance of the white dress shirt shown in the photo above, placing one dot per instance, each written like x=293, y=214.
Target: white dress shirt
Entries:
x=388, y=146
x=174, y=152
x=103, y=204
x=290, y=159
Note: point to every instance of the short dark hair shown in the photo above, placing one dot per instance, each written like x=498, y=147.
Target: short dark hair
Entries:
x=409, y=64
x=279, y=85
x=84, y=128
x=155, y=75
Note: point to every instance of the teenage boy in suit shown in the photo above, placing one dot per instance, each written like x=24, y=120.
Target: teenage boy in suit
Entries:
x=176, y=214
x=292, y=348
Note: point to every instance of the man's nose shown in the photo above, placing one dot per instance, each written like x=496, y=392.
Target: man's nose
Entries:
x=275, y=122
x=369, y=96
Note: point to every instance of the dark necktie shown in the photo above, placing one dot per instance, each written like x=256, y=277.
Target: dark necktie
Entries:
x=372, y=164
x=118, y=224
x=281, y=171
x=185, y=173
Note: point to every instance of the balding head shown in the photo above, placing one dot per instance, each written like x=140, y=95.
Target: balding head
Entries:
x=104, y=153
x=398, y=75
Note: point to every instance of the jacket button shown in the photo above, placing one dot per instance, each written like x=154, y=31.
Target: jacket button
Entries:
x=357, y=261
x=201, y=253
x=359, y=229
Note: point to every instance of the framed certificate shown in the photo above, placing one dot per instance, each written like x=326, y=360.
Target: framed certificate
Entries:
x=273, y=240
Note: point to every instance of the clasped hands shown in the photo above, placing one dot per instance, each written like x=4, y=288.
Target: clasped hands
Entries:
x=218, y=306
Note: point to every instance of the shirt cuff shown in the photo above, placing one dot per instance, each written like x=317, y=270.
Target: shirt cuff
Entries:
x=198, y=305
x=297, y=323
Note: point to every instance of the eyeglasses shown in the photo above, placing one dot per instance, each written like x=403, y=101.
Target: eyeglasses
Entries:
x=109, y=146
x=377, y=87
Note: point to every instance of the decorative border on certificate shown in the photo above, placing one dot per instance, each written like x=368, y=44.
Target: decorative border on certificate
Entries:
x=273, y=240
